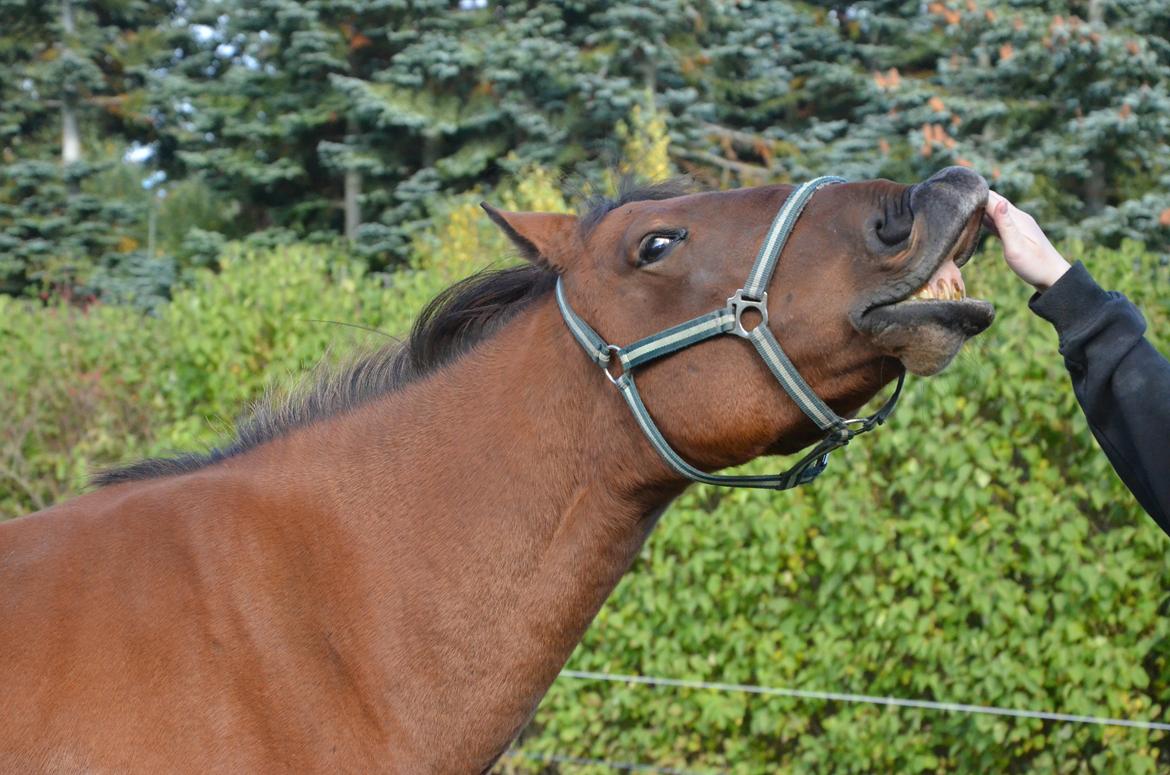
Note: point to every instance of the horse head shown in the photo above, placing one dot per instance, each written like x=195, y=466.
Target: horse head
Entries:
x=867, y=285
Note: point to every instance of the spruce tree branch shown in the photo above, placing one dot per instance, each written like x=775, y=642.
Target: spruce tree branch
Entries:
x=738, y=167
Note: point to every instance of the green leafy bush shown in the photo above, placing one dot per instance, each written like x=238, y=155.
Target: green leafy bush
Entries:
x=87, y=388
x=978, y=549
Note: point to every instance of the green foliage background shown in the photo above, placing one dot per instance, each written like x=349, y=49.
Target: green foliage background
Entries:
x=978, y=549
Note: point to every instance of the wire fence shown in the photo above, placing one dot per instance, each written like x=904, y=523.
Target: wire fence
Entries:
x=809, y=694
x=552, y=758
x=806, y=694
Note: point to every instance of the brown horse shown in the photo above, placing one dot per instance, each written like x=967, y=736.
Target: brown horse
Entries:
x=387, y=573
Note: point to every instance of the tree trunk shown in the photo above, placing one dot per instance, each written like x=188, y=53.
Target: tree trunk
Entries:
x=152, y=224
x=1096, y=11
x=430, y=148
x=1095, y=187
x=353, y=189
x=70, y=134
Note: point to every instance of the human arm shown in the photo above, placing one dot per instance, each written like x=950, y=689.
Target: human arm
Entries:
x=1120, y=380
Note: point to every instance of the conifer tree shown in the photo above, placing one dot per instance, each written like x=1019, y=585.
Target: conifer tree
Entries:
x=316, y=119
x=72, y=77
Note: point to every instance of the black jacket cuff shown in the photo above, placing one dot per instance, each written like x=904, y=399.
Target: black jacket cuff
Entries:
x=1070, y=300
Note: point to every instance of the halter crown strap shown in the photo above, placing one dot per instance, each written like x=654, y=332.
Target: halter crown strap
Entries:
x=729, y=320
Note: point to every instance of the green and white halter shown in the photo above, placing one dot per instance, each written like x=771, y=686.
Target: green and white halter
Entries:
x=729, y=320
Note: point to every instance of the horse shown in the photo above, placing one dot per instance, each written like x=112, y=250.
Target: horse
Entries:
x=387, y=571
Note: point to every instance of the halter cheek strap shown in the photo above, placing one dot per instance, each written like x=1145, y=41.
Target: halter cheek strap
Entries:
x=729, y=320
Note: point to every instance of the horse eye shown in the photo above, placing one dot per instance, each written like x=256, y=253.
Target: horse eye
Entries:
x=656, y=246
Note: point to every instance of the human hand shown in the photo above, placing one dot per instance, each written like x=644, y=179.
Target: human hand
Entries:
x=1025, y=248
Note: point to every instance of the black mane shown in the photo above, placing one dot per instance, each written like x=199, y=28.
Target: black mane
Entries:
x=460, y=317
x=464, y=314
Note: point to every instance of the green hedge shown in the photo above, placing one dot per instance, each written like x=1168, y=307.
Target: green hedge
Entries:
x=979, y=549
x=85, y=389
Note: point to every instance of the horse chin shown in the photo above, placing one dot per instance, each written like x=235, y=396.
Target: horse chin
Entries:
x=926, y=335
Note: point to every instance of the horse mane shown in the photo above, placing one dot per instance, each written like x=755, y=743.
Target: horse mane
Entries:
x=460, y=317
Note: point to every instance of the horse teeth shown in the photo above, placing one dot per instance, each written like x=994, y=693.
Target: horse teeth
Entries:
x=947, y=291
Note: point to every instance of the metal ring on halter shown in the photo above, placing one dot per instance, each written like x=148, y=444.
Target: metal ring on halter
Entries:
x=613, y=350
x=860, y=422
x=738, y=304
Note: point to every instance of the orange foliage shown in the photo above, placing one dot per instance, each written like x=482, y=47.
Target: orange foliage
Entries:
x=933, y=134
x=355, y=39
x=940, y=9
x=891, y=79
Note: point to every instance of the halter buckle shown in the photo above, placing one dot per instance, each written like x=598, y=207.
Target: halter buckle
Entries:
x=849, y=429
x=737, y=304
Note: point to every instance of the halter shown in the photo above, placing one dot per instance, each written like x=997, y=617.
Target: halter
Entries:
x=839, y=431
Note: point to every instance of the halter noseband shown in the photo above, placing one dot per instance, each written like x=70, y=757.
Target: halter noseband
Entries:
x=729, y=320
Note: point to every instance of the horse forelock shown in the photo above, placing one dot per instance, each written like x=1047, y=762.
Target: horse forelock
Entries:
x=630, y=190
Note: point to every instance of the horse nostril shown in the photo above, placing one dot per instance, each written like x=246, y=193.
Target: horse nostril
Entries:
x=894, y=225
x=894, y=232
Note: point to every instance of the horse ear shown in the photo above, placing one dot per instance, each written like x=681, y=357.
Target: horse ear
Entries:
x=547, y=239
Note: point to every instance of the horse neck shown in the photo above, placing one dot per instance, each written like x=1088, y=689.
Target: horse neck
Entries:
x=487, y=512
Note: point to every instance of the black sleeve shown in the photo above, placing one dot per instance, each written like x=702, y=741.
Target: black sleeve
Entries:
x=1120, y=380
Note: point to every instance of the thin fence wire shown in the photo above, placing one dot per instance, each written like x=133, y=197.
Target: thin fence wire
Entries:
x=806, y=694
x=553, y=758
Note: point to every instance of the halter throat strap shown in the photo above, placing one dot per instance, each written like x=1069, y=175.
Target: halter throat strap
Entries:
x=838, y=430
